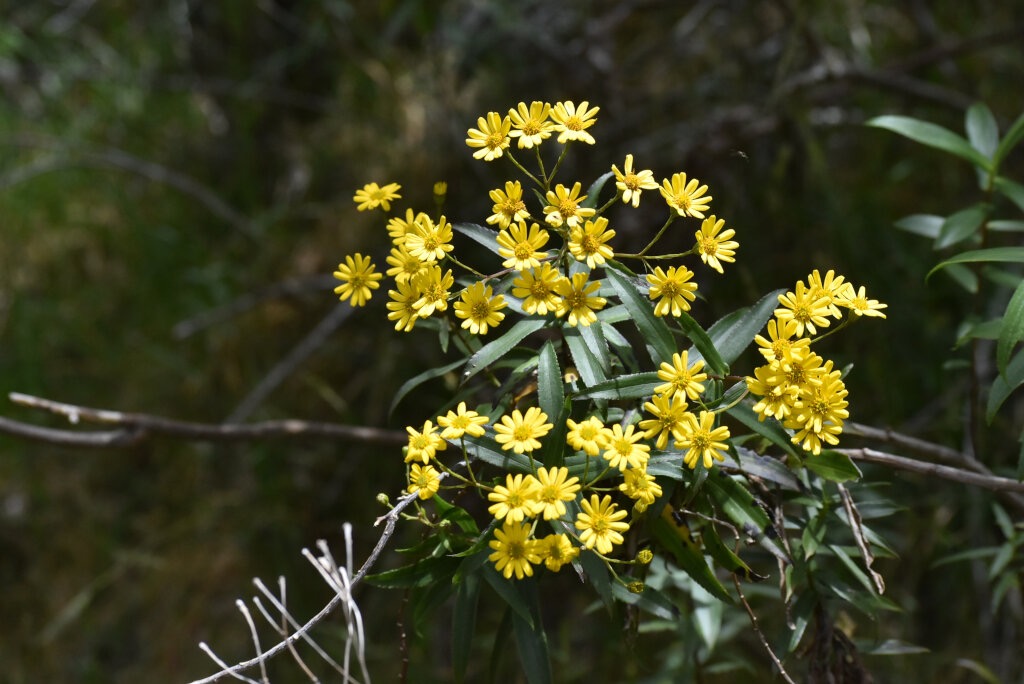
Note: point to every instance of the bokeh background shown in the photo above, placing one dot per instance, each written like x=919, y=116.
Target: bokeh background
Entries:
x=161, y=160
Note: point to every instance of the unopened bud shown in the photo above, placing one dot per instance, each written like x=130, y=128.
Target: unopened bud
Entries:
x=383, y=499
x=635, y=587
x=645, y=557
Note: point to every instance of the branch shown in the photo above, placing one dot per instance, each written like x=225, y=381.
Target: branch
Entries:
x=992, y=482
x=136, y=428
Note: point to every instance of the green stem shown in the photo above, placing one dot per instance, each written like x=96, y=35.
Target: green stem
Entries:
x=558, y=163
x=522, y=169
x=645, y=250
x=540, y=165
x=466, y=267
x=608, y=204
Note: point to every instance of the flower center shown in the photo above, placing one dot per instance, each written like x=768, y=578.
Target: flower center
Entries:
x=539, y=290
x=567, y=208
x=589, y=244
x=523, y=251
x=495, y=140
x=574, y=123
x=631, y=181
x=522, y=433
x=481, y=310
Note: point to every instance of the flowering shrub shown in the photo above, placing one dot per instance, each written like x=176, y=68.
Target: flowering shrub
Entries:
x=595, y=423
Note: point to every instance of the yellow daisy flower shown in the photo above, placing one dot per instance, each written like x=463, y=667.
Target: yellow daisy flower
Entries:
x=424, y=481
x=480, y=310
x=462, y=422
x=404, y=266
x=668, y=414
x=589, y=436
x=578, y=300
x=514, y=550
x=556, y=550
x=508, y=205
x=398, y=227
x=859, y=304
x=516, y=499
x=371, y=196
x=777, y=395
x=572, y=122
x=680, y=379
x=358, y=279
x=631, y=183
x=641, y=487
x=589, y=242
x=831, y=287
x=702, y=440
x=780, y=345
x=673, y=290
x=803, y=308
x=521, y=245
x=817, y=408
x=687, y=199
x=555, y=488
x=491, y=136
x=424, y=444
x=537, y=290
x=522, y=433
x=433, y=286
x=623, y=451
x=713, y=246
x=403, y=305
x=564, y=206
x=600, y=525
x=430, y=242
x=530, y=124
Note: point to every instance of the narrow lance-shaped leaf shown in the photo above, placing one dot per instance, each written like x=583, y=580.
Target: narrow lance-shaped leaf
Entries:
x=925, y=225
x=1013, y=136
x=961, y=225
x=833, y=466
x=732, y=334
x=982, y=130
x=464, y=623
x=414, y=382
x=550, y=392
x=588, y=366
x=995, y=254
x=933, y=136
x=653, y=329
x=594, y=191
x=479, y=234
x=1012, y=330
x=494, y=350
x=1004, y=385
x=1011, y=190
x=531, y=639
x=704, y=345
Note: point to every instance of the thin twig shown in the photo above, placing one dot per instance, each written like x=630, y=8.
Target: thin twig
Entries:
x=760, y=634
x=857, y=527
x=993, y=482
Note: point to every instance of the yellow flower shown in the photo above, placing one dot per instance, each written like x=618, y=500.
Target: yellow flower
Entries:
x=433, y=287
x=424, y=444
x=687, y=199
x=516, y=500
x=491, y=135
x=589, y=242
x=777, y=395
x=589, y=436
x=641, y=487
x=399, y=228
x=440, y=190
x=514, y=551
x=537, y=290
x=578, y=300
x=531, y=124
x=522, y=433
x=372, y=196
x=480, y=310
x=430, y=242
x=358, y=279
x=623, y=451
x=715, y=247
x=702, y=440
x=803, y=308
x=631, y=184
x=423, y=481
x=859, y=304
x=564, y=206
x=555, y=488
x=572, y=122
x=521, y=246
x=600, y=524
x=831, y=287
x=779, y=345
x=668, y=411
x=556, y=550
x=673, y=290
x=404, y=266
x=462, y=422
x=681, y=380
x=403, y=305
x=508, y=205
x=819, y=411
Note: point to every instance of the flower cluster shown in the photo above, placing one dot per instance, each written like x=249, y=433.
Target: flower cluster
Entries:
x=796, y=386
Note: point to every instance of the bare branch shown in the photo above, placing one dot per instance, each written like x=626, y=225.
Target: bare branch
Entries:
x=857, y=527
x=993, y=482
x=760, y=634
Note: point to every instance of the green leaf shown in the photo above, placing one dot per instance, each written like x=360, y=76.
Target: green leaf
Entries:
x=494, y=350
x=726, y=557
x=531, y=640
x=553, y=452
x=993, y=254
x=1020, y=458
x=982, y=129
x=467, y=599
x=634, y=386
x=833, y=466
x=419, y=574
x=651, y=600
x=979, y=669
x=961, y=225
x=763, y=467
x=705, y=347
x=481, y=234
x=964, y=277
x=550, y=386
x=933, y=136
x=689, y=558
x=926, y=225
x=1005, y=226
x=739, y=506
x=594, y=338
x=1011, y=190
x=506, y=589
x=1012, y=331
x=986, y=330
x=501, y=638
x=732, y=334
x=414, y=382
x=1013, y=136
x=1004, y=385
x=623, y=350
x=896, y=647
x=489, y=451
x=588, y=366
x=769, y=428
x=596, y=571
x=594, y=191
x=653, y=329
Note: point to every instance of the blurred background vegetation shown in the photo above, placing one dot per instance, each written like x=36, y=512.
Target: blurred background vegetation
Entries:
x=160, y=160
